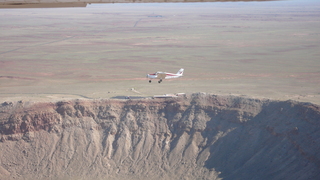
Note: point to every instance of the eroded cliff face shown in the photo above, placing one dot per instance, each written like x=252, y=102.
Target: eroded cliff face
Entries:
x=200, y=137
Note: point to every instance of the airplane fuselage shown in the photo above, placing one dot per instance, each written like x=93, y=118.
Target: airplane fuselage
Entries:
x=164, y=75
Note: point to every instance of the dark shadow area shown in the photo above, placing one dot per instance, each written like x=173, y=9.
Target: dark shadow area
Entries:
x=266, y=147
x=128, y=97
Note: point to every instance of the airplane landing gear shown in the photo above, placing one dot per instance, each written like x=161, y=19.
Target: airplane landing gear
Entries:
x=160, y=81
x=149, y=81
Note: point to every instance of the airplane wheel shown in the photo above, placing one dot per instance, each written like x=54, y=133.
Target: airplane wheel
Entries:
x=159, y=81
x=149, y=81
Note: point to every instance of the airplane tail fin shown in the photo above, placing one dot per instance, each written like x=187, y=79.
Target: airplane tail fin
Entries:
x=180, y=72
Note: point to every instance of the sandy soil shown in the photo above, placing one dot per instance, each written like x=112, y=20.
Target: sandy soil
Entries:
x=257, y=49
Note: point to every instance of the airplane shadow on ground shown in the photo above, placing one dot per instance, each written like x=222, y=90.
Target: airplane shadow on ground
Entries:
x=128, y=97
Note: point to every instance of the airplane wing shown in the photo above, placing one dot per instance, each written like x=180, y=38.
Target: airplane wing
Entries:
x=26, y=4
x=161, y=76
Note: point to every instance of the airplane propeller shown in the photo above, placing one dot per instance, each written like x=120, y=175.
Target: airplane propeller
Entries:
x=148, y=78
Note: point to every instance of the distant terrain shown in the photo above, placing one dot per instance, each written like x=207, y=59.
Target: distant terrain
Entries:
x=255, y=49
x=84, y=3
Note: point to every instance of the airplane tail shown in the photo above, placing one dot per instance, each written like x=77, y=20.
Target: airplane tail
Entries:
x=180, y=72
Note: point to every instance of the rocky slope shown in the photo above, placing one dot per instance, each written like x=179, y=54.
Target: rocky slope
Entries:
x=199, y=137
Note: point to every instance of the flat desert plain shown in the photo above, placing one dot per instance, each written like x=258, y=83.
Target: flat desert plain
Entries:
x=253, y=49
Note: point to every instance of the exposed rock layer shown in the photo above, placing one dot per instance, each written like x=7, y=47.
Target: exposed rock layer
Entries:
x=200, y=137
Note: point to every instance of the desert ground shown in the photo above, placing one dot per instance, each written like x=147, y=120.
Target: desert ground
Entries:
x=63, y=70
x=253, y=49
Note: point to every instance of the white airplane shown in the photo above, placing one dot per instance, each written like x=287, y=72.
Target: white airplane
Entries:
x=164, y=75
